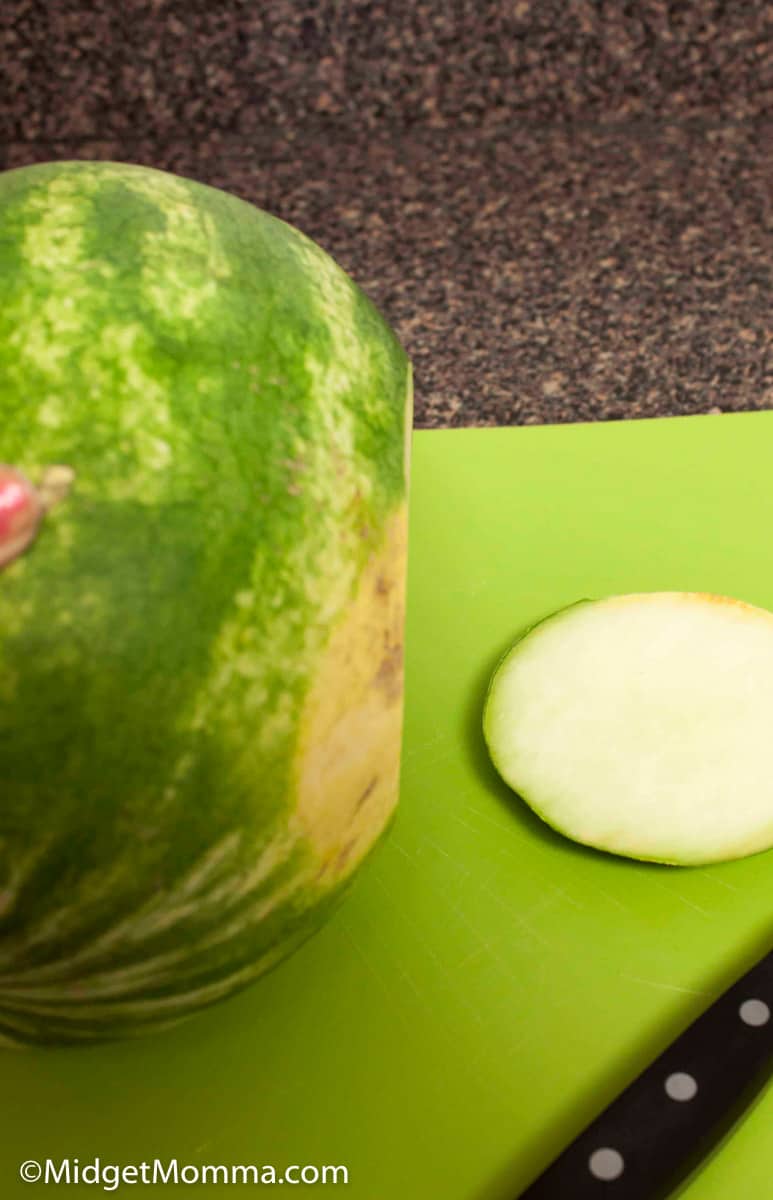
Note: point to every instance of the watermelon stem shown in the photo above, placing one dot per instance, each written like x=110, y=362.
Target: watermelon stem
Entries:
x=22, y=506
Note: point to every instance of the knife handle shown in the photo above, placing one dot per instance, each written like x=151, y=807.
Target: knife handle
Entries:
x=656, y=1130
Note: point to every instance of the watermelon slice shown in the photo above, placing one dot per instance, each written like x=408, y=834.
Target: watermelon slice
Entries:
x=641, y=725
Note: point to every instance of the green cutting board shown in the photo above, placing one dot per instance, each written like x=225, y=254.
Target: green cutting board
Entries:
x=486, y=986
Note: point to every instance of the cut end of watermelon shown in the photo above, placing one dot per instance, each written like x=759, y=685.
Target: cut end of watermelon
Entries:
x=640, y=725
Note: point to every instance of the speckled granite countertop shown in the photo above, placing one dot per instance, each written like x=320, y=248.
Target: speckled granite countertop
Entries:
x=565, y=210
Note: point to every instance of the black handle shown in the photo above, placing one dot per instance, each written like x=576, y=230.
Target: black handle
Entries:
x=647, y=1139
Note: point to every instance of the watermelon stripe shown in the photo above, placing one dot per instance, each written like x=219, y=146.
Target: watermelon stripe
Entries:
x=157, y=915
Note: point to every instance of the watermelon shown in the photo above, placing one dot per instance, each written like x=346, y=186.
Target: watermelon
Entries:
x=205, y=432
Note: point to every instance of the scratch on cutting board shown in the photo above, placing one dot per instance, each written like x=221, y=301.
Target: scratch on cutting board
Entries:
x=690, y=903
x=500, y=826
x=422, y=941
x=456, y=984
x=366, y=962
x=515, y=980
x=412, y=753
x=483, y=949
x=396, y=845
x=567, y=896
x=474, y=956
x=399, y=1012
x=716, y=879
x=447, y=752
x=521, y=919
x=460, y=821
x=666, y=987
x=436, y=846
x=462, y=872
x=453, y=981
x=612, y=899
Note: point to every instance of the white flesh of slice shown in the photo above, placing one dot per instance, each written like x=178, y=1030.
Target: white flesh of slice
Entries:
x=643, y=725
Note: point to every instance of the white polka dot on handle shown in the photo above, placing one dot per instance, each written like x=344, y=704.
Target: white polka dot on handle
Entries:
x=681, y=1086
x=606, y=1163
x=754, y=1012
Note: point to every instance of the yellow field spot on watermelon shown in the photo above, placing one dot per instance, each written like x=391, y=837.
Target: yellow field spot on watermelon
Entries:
x=349, y=748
